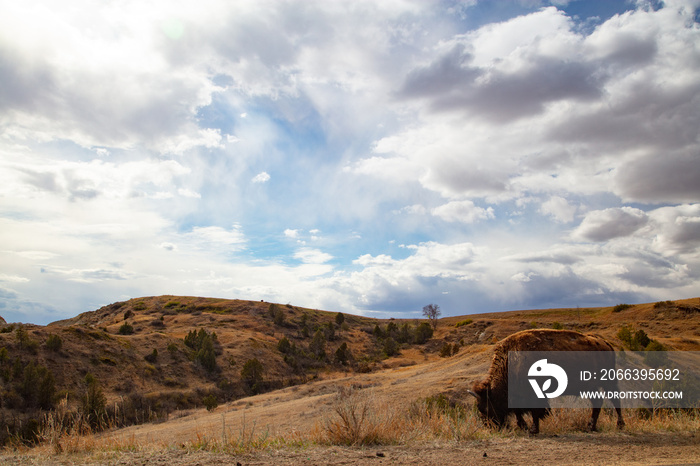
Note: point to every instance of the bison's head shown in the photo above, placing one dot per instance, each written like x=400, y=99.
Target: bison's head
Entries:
x=489, y=405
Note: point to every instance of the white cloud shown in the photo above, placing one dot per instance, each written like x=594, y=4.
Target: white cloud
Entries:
x=559, y=208
x=130, y=135
x=213, y=237
x=312, y=256
x=262, y=177
x=12, y=278
x=462, y=211
x=604, y=225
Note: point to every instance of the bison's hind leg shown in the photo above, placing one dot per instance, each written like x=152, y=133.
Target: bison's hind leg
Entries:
x=618, y=409
x=620, y=421
x=522, y=425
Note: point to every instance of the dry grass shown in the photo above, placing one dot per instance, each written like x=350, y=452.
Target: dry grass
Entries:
x=356, y=417
x=360, y=418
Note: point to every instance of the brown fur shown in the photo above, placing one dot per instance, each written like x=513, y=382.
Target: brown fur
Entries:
x=492, y=393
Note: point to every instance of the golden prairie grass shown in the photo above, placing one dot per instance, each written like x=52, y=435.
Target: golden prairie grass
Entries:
x=358, y=417
x=363, y=418
x=244, y=438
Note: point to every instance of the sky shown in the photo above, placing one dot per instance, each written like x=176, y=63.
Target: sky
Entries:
x=365, y=157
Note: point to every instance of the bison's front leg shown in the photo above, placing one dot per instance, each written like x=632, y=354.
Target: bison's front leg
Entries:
x=593, y=421
x=522, y=425
x=537, y=414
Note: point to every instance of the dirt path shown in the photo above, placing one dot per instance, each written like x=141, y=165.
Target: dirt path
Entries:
x=570, y=449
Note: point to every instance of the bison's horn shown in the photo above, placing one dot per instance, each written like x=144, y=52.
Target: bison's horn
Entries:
x=473, y=394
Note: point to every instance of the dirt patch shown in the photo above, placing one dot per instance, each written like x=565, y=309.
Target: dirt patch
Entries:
x=570, y=449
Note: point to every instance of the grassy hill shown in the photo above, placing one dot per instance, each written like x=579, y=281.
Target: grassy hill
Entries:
x=159, y=358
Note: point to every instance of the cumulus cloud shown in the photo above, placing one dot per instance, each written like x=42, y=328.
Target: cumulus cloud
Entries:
x=559, y=208
x=262, y=177
x=62, y=86
x=671, y=177
x=213, y=237
x=517, y=68
x=677, y=228
x=462, y=211
x=132, y=138
x=554, y=110
x=312, y=256
x=604, y=225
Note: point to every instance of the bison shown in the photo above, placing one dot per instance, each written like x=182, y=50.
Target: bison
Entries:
x=492, y=393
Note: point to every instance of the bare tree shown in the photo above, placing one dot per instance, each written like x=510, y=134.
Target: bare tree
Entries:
x=432, y=313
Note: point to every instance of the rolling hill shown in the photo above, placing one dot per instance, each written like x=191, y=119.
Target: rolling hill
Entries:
x=163, y=358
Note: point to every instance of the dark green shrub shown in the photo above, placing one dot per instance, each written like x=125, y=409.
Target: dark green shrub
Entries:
x=661, y=304
x=635, y=341
x=390, y=347
x=152, y=357
x=423, y=333
x=625, y=335
x=126, y=329
x=94, y=403
x=342, y=354
x=157, y=323
x=29, y=432
x=405, y=335
x=252, y=375
x=24, y=341
x=283, y=346
x=206, y=355
x=280, y=319
x=318, y=345
x=329, y=330
x=446, y=350
x=37, y=386
x=621, y=307
x=655, y=355
x=339, y=319
x=463, y=323
x=54, y=343
x=557, y=326
x=641, y=339
x=210, y=402
x=202, y=344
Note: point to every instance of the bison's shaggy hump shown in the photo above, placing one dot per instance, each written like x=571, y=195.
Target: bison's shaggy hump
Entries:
x=492, y=393
x=540, y=340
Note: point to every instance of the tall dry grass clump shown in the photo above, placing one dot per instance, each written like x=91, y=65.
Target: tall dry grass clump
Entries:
x=68, y=432
x=438, y=417
x=660, y=420
x=245, y=437
x=358, y=417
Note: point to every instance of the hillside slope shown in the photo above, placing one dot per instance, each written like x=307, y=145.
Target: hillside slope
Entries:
x=147, y=356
